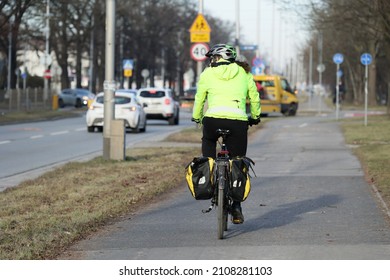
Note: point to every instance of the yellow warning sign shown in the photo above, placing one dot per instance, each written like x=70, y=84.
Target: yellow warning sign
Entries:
x=127, y=72
x=200, y=25
x=200, y=30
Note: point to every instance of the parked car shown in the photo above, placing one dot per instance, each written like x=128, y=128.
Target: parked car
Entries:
x=127, y=107
x=160, y=104
x=77, y=97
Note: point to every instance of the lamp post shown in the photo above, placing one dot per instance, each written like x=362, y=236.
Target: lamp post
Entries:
x=46, y=59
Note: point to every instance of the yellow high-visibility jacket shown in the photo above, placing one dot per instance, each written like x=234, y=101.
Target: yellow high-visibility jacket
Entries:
x=226, y=89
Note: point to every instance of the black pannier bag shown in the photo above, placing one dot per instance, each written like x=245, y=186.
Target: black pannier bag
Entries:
x=240, y=185
x=199, y=176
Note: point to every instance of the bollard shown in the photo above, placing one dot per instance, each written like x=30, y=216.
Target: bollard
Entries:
x=117, y=142
x=55, y=102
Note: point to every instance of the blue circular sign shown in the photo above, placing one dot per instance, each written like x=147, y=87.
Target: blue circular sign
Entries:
x=340, y=73
x=338, y=58
x=366, y=59
x=257, y=62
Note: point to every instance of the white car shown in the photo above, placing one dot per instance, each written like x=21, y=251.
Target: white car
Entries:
x=160, y=104
x=127, y=108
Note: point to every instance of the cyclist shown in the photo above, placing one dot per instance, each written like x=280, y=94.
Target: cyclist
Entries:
x=226, y=85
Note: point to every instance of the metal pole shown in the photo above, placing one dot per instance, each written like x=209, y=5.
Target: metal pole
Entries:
x=320, y=72
x=109, y=83
x=46, y=80
x=337, y=92
x=237, y=42
x=198, y=63
x=366, y=95
x=91, y=57
x=310, y=76
x=258, y=29
x=9, y=61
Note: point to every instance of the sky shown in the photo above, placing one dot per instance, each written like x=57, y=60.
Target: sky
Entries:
x=273, y=19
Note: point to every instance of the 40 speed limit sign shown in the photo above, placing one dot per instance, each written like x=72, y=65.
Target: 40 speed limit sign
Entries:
x=198, y=51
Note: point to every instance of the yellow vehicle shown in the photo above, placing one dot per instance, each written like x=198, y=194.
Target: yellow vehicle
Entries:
x=276, y=95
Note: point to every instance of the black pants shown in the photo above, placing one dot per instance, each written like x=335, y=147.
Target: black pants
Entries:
x=236, y=142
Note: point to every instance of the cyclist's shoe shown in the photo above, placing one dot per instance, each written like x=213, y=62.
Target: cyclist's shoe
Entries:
x=237, y=216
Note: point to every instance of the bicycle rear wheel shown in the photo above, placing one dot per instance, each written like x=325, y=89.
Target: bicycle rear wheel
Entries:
x=222, y=211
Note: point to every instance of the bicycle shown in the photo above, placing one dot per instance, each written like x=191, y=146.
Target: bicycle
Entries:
x=221, y=198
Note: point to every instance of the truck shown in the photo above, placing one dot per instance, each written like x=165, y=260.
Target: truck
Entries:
x=276, y=95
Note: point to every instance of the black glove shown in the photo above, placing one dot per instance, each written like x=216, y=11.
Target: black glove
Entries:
x=195, y=120
x=252, y=121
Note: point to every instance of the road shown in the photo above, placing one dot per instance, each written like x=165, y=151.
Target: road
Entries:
x=309, y=201
x=30, y=149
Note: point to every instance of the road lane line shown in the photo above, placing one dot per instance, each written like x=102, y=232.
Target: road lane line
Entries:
x=303, y=125
x=59, y=132
x=5, y=142
x=36, y=136
x=80, y=129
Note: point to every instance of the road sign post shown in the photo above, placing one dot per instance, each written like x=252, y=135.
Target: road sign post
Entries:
x=338, y=58
x=366, y=60
x=200, y=33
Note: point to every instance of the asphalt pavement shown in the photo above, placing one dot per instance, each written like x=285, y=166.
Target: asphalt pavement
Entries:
x=310, y=200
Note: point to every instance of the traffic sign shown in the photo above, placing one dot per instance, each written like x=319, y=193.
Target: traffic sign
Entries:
x=128, y=64
x=339, y=73
x=47, y=74
x=321, y=68
x=200, y=25
x=366, y=59
x=127, y=72
x=338, y=58
x=256, y=61
x=198, y=51
x=200, y=30
x=248, y=47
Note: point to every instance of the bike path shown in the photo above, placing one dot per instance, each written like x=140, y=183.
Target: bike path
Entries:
x=309, y=201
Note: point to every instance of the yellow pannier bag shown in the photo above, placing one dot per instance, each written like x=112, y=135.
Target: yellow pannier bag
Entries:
x=240, y=184
x=199, y=177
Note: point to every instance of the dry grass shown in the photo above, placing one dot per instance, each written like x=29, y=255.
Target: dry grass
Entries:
x=372, y=144
x=14, y=117
x=41, y=217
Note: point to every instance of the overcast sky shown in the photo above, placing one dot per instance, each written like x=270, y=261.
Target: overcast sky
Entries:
x=288, y=35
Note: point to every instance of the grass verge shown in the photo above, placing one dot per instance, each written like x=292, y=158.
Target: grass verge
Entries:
x=371, y=144
x=42, y=217
x=15, y=117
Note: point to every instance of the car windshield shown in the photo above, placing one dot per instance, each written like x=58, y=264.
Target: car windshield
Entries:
x=152, y=93
x=118, y=99
x=268, y=83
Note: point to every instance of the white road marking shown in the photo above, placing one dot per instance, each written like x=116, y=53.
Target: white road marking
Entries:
x=36, y=136
x=303, y=125
x=5, y=142
x=59, y=132
x=80, y=129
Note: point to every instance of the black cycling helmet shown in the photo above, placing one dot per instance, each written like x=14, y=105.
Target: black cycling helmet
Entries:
x=227, y=52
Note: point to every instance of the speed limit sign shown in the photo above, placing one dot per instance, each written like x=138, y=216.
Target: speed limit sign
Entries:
x=198, y=51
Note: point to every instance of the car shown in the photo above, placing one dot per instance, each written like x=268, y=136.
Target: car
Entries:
x=77, y=97
x=127, y=107
x=160, y=104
